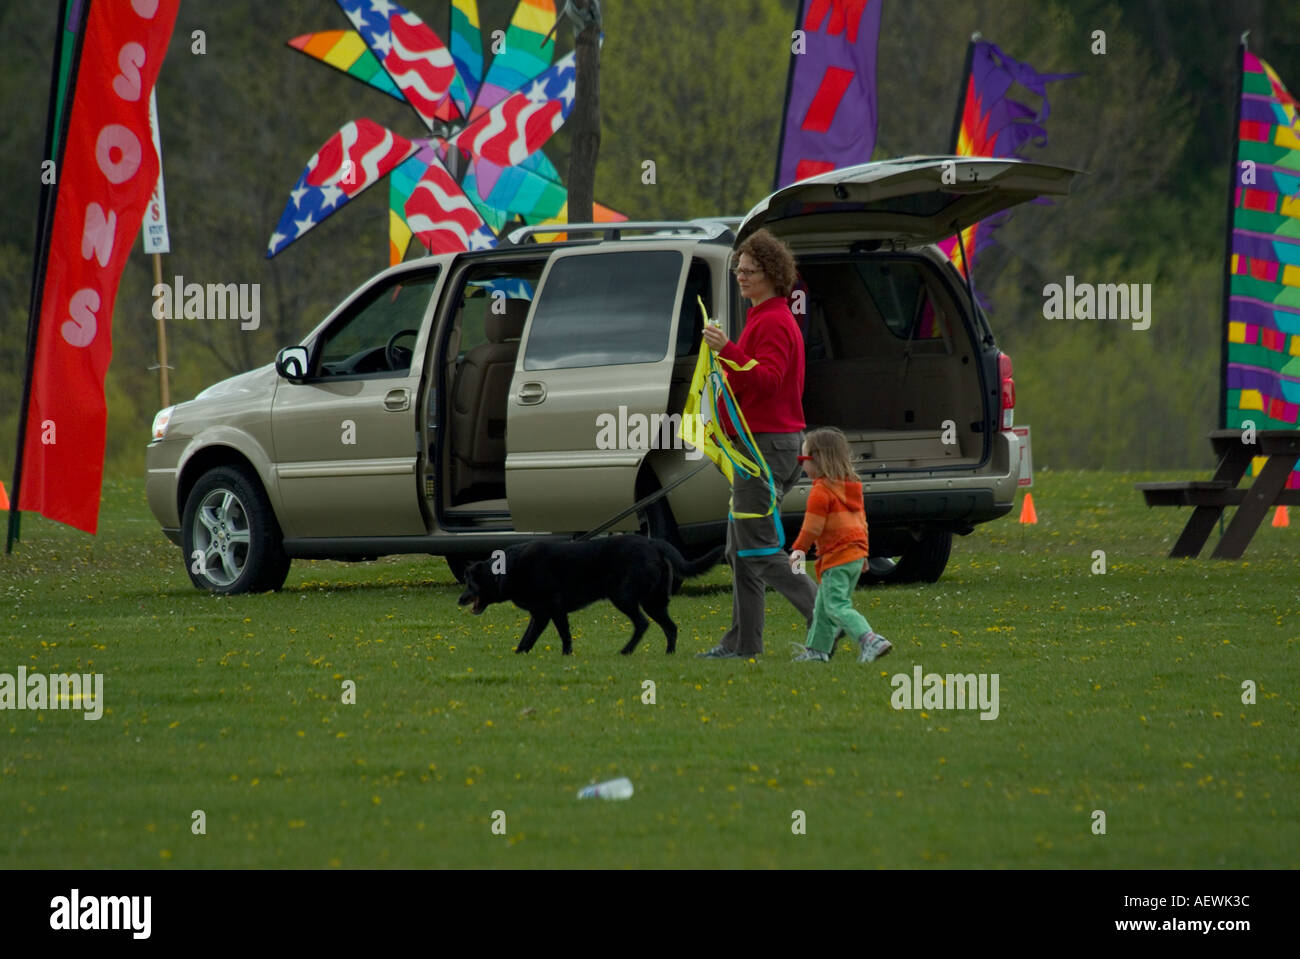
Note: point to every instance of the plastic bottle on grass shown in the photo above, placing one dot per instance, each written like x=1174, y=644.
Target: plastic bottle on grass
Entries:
x=620, y=788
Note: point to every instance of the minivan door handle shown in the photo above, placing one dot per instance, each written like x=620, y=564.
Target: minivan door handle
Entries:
x=397, y=400
x=531, y=393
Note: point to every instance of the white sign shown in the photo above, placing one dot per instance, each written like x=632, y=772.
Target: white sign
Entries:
x=1026, y=460
x=154, y=229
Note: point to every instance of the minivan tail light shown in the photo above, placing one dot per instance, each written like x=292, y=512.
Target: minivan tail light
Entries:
x=1008, y=391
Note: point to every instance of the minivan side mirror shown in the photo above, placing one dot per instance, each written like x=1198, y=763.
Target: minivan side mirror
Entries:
x=291, y=363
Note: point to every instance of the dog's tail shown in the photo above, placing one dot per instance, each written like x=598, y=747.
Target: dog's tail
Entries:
x=683, y=567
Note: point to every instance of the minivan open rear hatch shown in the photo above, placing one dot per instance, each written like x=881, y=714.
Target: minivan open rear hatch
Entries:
x=914, y=200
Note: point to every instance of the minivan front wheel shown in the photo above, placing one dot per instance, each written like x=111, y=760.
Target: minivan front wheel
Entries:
x=922, y=561
x=231, y=540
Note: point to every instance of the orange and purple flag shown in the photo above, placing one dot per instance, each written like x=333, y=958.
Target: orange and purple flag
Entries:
x=994, y=121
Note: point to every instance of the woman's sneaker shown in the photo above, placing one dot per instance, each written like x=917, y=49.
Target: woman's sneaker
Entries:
x=873, y=647
x=806, y=654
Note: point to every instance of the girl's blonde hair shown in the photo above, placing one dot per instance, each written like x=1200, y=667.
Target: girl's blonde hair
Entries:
x=830, y=451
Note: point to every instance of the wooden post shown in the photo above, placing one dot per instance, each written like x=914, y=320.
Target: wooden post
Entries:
x=162, y=340
x=584, y=121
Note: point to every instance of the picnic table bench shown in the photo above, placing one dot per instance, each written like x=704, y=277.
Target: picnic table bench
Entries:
x=1210, y=497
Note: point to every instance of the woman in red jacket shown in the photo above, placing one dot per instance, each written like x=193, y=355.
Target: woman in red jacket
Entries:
x=765, y=370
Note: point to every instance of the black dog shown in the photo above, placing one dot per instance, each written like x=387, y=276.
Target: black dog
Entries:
x=551, y=580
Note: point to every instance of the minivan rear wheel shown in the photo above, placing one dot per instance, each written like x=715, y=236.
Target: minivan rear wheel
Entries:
x=657, y=522
x=231, y=540
x=922, y=561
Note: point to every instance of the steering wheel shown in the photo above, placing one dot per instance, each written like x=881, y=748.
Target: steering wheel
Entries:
x=399, y=357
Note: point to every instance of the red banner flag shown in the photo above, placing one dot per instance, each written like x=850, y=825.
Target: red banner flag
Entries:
x=105, y=178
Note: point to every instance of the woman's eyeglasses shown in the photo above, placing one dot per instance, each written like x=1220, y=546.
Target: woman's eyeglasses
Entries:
x=739, y=272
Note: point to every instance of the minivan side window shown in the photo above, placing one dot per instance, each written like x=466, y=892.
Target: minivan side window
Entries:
x=690, y=325
x=604, y=309
x=392, y=314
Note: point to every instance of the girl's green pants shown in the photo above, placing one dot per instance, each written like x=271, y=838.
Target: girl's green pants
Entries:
x=834, y=610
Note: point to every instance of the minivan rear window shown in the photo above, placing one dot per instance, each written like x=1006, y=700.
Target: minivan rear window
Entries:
x=898, y=293
x=604, y=309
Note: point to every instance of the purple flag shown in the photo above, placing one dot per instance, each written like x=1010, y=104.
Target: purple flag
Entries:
x=830, y=104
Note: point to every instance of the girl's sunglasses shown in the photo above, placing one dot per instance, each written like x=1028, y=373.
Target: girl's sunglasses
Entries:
x=805, y=459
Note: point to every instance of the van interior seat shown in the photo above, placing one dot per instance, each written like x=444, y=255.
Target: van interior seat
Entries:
x=478, y=401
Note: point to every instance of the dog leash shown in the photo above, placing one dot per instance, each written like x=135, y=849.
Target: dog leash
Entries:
x=645, y=501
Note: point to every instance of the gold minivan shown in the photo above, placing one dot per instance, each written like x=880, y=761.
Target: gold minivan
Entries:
x=460, y=403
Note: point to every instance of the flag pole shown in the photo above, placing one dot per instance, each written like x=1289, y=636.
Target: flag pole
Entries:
x=785, y=110
x=1234, y=174
x=962, y=93
x=54, y=141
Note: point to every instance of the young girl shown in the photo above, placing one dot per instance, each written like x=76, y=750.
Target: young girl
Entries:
x=835, y=522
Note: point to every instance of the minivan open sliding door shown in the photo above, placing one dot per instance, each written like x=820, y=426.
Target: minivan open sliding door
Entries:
x=591, y=385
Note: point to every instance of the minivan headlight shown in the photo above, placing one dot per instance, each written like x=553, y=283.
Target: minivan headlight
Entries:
x=161, y=422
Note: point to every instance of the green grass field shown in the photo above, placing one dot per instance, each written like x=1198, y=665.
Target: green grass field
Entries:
x=1119, y=692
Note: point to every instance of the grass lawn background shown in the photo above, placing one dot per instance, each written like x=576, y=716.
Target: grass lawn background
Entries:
x=1119, y=692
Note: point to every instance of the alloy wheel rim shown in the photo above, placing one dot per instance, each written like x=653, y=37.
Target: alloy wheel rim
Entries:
x=222, y=536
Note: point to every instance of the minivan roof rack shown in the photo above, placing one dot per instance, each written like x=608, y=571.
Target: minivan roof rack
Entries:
x=711, y=229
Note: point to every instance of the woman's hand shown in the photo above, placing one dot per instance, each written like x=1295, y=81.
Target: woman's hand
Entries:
x=714, y=336
x=797, y=557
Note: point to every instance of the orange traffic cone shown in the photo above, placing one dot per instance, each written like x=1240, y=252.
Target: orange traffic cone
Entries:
x=1280, y=517
x=1027, y=512
x=4, y=498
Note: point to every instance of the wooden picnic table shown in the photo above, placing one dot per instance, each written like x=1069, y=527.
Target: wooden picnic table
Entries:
x=1210, y=497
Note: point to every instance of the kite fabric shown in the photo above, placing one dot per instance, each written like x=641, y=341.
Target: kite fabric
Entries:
x=599, y=214
x=442, y=217
x=414, y=56
x=356, y=157
x=709, y=393
x=466, y=52
x=107, y=171
x=523, y=121
x=522, y=57
x=483, y=166
x=400, y=184
x=344, y=50
x=830, y=102
x=1261, y=373
x=992, y=122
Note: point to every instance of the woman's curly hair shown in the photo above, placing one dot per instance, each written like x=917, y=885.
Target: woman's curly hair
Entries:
x=772, y=257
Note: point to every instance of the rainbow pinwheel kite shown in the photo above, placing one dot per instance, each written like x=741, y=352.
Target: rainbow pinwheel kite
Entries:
x=480, y=164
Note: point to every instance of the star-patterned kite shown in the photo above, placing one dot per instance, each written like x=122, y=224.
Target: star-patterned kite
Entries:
x=479, y=163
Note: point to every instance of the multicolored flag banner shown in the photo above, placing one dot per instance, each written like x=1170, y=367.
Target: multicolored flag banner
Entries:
x=992, y=122
x=830, y=101
x=106, y=171
x=1261, y=363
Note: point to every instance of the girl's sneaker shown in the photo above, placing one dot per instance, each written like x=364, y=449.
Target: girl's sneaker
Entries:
x=873, y=647
x=806, y=654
